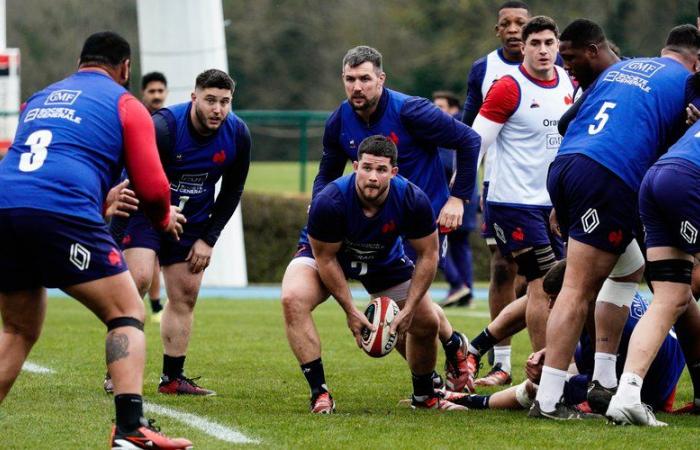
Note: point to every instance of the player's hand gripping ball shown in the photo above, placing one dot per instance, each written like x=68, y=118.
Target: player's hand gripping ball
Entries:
x=380, y=313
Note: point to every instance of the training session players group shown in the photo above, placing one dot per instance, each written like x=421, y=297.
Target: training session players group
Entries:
x=588, y=159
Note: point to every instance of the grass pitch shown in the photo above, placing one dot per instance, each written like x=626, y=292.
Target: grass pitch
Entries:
x=239, y=349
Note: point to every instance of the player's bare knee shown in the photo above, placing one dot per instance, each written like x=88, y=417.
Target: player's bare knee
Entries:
x=502, y=271
x=28, y=332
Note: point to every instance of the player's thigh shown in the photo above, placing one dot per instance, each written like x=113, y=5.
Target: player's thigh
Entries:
x=587, y=267
x=181, y=285
x=141, y=262
x=109, y=297
x=302, y=288
x=23, y=312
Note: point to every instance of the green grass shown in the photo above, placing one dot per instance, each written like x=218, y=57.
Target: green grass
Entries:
x=239, y=348
x=280, y=176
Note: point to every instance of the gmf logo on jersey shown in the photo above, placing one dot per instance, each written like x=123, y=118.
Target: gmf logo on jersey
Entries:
x=219, y=157
x=62, y=97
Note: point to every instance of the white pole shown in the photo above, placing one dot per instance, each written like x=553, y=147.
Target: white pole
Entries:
x=3, y=26
x=182, y=38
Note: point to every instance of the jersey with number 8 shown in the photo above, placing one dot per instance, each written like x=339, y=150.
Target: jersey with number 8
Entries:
x=632, y=113
x=67, y=152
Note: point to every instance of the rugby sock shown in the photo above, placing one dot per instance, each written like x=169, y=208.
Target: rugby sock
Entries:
x=551, y=388
x=156, y=307
x=475, y=401
x=694, y=370
x=501, y=354
x=452, y=345
x=129, y=411
x=482, y=343
x=604, y=369
x=423, y=386
x=630, y=389
x=173, y=366
x=313, y=371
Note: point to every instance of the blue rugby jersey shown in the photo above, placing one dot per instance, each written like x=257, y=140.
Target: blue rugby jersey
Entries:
x=371, y=245
x=634, y=110
x=68, y=149
x=194, y=164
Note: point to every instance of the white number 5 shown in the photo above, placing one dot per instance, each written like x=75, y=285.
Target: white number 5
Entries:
x=602, y=117
x=38, y=141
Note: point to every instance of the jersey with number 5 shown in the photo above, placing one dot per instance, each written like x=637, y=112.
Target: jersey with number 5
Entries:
x=67, y=150
x=633, y=112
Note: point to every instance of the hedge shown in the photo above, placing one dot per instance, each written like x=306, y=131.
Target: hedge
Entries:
x=272, y=223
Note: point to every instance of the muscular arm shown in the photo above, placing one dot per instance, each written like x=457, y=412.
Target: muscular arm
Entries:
x=232, y=183
x=430, y=125
x=142, y=162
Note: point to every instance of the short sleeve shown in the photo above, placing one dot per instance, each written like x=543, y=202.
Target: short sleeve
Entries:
x=419, y=216
x=326, y=216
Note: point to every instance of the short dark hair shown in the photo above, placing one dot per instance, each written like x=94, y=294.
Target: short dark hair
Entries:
x=554, y=278
x=582, y=33
x=151, y=77
x=378, y=145
x=514, y=5
x=452, y=99
x=683, y=37
x=215, y=78
x=362, y=54
x=105, y=48
x=540, y=23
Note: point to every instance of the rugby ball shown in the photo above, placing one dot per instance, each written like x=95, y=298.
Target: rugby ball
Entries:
x=380, y=313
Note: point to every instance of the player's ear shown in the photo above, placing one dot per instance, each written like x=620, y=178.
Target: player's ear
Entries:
x=394, y=171
x=193, y=96
x=355, y=165
x=382, y=78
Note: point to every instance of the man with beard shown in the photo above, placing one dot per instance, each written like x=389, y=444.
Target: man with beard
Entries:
x=199, y=142
x=359, y=221
x=418, y=128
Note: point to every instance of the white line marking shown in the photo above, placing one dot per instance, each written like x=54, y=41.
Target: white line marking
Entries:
x=36, y=368
x=221, y=432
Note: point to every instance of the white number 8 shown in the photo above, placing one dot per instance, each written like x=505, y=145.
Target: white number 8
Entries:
x=38, y=141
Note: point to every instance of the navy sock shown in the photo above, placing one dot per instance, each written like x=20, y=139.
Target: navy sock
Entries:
x=129, y=409
x=155, y=305
x=313, y=371
x=452, y=345
x=475, y=401
x=482, y=343
x=423, y=385
x=173, y=366
x=694, y=371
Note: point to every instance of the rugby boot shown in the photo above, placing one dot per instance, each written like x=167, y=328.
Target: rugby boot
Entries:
x=496, y=377
x=146, y=436
x=436, y=402
x=182, y=386
x=599, y=397
x=637, y=414
x=459, y=374
x=561, y=412
x=322, y=403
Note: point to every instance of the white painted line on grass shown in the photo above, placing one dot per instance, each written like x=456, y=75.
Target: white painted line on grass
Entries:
x=36, y=368
x=216, y=430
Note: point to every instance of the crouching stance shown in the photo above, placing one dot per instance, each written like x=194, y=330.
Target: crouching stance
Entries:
x=356, y=226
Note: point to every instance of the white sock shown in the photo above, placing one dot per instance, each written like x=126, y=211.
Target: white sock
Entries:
x=551, y=388
x=604, y=369
x=630, y=389
x=501, y=354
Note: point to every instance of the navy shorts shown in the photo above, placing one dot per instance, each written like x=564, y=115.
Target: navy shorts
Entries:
x=517, y=228
x=593, y=205
x=40, y=248
x=486, y=225
x=139, y=233
x=669, y=204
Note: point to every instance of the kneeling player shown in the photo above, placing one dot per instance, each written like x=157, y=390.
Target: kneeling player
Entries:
x=355, y=228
